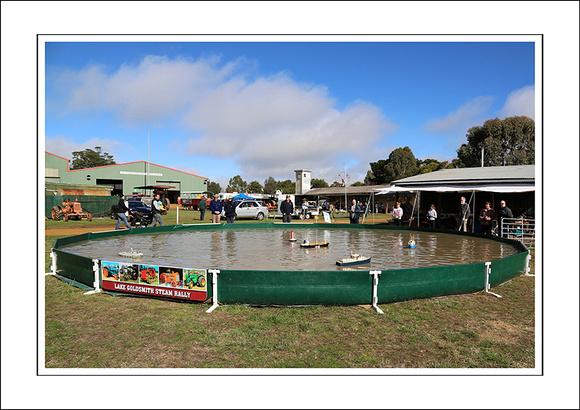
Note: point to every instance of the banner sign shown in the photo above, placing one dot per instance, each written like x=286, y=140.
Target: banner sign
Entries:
x=153, y=280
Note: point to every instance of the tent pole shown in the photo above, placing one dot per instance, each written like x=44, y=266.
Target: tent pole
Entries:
x=473, y=214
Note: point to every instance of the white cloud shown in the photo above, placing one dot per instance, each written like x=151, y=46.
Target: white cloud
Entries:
x=267, y=125
x=520, y=102
x=465, y=117
x=64, y=146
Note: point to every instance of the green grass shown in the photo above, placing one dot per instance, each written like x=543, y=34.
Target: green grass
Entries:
x=466, y=331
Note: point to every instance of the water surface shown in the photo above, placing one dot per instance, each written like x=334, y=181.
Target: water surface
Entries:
x=270, y=249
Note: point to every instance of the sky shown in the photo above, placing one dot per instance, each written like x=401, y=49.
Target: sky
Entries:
x=266, y=108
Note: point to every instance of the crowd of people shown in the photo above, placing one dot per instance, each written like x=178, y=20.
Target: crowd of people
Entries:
x=402, y=212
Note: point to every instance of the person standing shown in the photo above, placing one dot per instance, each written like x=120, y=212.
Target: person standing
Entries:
x=122, y=212
x=432, y=216
x=486, y=217
x=215, y=207
x=504, y=212
x=304, y=209
x=355, y=211
x=202, y=206
x=230, y=210
x=287, y=209
x=156, y=209
x=397, y=214
x=463, y=214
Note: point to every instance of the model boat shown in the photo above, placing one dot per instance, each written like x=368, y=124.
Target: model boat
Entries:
x=132, y=254
x=316, y=244
x=355, y=259
x=412, y=243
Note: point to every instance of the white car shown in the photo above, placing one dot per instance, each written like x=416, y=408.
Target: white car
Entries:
x=250, y=209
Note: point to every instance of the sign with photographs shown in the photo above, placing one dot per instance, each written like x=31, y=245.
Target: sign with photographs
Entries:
x=153, y=280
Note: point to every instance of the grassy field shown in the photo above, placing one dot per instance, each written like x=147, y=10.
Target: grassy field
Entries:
x=467, y=331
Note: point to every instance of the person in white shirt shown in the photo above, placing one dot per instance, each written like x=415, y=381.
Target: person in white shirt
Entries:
x=432, y=216
x=397, y=214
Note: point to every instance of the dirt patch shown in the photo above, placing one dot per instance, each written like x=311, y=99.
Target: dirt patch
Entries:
x=501, y=332
x=75, y=231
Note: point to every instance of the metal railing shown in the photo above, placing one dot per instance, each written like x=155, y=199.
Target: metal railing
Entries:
x=520, y=229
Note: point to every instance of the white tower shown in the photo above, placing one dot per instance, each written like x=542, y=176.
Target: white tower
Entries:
x=302, y=181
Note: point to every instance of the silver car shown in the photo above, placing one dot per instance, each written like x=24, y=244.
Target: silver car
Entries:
x=250, y=209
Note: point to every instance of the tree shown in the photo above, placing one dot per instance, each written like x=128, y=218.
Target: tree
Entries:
x=510, y=141
x=318, y=183
x=237, y=184
x=287, y=186
x=270, y=186
x=400, y=164
x=430, y=165
x=214, y=187
x=89, y=158
x=357, y=183
x=255, y=187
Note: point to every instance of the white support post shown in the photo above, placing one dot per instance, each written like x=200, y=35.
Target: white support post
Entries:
x=214, y=286
x=53, y=264
x=528, y=259
x=177, y=207
x=376, y=275
x=487, y=285
x=96, y=284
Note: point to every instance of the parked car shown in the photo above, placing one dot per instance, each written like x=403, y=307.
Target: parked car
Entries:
x=250, y=209
x=140, y=215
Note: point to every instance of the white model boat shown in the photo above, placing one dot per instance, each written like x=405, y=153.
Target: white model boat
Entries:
x=132, y=254
x=355, y=259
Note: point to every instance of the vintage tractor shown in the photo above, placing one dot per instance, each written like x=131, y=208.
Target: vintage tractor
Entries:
x=68, y=210
x=171, y=278
x=194, y=279
x=148, y=275
x=128, y=273
x=110, y=273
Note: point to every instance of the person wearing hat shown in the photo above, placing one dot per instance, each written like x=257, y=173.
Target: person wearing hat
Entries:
x=215, y=207
x=202, y=207
x=230, y=210
x=287, y=208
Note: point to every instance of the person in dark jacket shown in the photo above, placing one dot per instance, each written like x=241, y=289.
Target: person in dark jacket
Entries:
x=354, y=211
x=215, y=207
x=122, y=212
x=504, y=212
x=202, y=206
x=230, y=210
x=486, y=217
x=287, y=209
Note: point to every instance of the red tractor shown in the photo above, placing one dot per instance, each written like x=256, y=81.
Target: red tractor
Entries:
x=148, y=275
x=170, y=277
x=68, y=210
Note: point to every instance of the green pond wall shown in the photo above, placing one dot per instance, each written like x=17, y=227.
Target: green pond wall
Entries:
x=318, y=287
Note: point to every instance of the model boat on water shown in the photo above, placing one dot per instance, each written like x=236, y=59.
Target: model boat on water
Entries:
x=355, y=259
x=412, y=244
x=132, y=254
x=316, y=244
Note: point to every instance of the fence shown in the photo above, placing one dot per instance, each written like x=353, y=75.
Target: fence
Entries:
x=99, y=206
x=523, y=230
x=300, y=287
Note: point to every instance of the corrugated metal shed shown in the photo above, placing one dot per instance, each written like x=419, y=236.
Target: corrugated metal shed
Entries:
x=480, y=175
x=351, y=190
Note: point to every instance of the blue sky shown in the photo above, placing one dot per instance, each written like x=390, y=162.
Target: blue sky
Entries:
x=260, y=109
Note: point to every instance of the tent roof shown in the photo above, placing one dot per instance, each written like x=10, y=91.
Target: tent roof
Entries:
x=481, y=175
x=243, y=196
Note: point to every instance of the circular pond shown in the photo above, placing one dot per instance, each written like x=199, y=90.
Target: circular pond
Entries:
x=245, y=248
